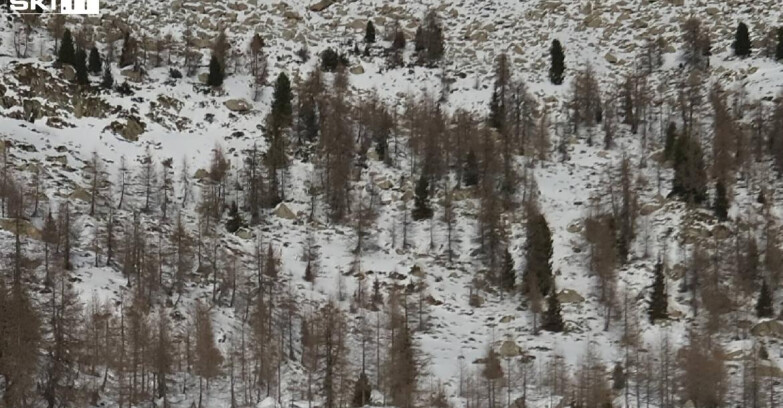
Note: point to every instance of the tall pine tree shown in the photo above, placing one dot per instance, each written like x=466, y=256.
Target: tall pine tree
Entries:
x=95, y=63
x=741, y=43
x=215, y=76
x=508, y=276
x=369, y=33
x=538, y=258
x=67, y=51
x=281, y=100
x=721, y=204
x=80, y=64
x=557, y=63
x=421, y=205
x=779, y=47
x=659, y=302
x=553, y=317
x=764, y=303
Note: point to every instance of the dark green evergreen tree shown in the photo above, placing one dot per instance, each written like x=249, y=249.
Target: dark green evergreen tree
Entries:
x=330, y=60
x=234, y=222
x=95, y=63
x=741, y=43
x=538, y=257
x=764, y=303
x=309, y=276
x=421, y=204
x=215, y=76
x=496, y=111
x=671, y=139
x=508, y=277
x=553, y=317
x=471, y=170
x=281, y=100
x=558, y=63
x=779, y=47
x=107, y=81
x=369, y=33
x=128, y=53
x=721, y=203
x=690, y=177
x=80, y=65
x=398, y=42
x=362, y=391
x=659, y=302
x=67, y=51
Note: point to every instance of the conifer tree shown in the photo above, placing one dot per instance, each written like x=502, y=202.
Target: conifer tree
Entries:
x=215, y=76
x=369, y=33
x=67, y=51
x=508, y=275
x=95, y=62
x=80, y=65
x=471, y=171
x=362, y=391
x=208, y=357
x=558, y=63
x=129, y=50
x=690, y=177
x=670, y=141
x=721, y=204
x=659, y=303
x=421, y=209
x=553, y=317
x=281, y=102
x=742, y=42
x=234, y=222
x=764, y=303
x=107, y=81
x=779, y=47
x=538, y=258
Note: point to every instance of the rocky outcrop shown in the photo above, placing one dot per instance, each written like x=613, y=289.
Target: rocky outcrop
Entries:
x=321, y=5
x=26, y=229
x=237, y=105
x=130, y=130
x=283, y=211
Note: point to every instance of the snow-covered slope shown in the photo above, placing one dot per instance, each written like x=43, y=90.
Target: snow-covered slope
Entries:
x=182, y=122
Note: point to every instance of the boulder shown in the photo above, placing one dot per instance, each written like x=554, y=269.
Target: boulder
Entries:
x=510, y=349
x=593, y=21
x=321, y=5
x=69, y=73
x=80, y=193
x=769, y=328
x=384, y=184
x=201, y=174
x=357, y=70
x=244, y=233
x=133, y=128
x=566, y=296
x=283, y=211
x=610, y=58
x=237, y=105
x=292, y=15
x=203, y=77
x=26, y=229
x=133, y=75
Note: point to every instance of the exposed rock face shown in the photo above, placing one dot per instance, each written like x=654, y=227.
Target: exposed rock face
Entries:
x=237, y=105
x=130, y=130
x=570, y=296
x=26, y=229
x=69, y=73
x=321, y=5
x=133, y=75
x=283, y=211
x=770, y=328
x=357, y=70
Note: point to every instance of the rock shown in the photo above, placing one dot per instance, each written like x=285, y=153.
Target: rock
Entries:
x=292, y=15
x=69, y=73
x=610, y=58
x=406, y=196
x=417, y=271
x=507, y=319
x=321, y=5
x=244, y=233
x=510, y=349
x=712, y=11
x=203, y=77
x=133, y=128
x=26, y=229
x=574, y=227
x=80, y=193
x=283, y=211
x=238, y=6
x=357, y=70
x=769, y=370
x=201, y=174
x=721, y=232
x=769, y=328
x=649, y=208
x=133, y=75
x=237, y=105
x=566, y=296
x=384, y=184
x=593, y=21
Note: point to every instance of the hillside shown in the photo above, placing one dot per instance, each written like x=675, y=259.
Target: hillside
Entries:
x=153, y=142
